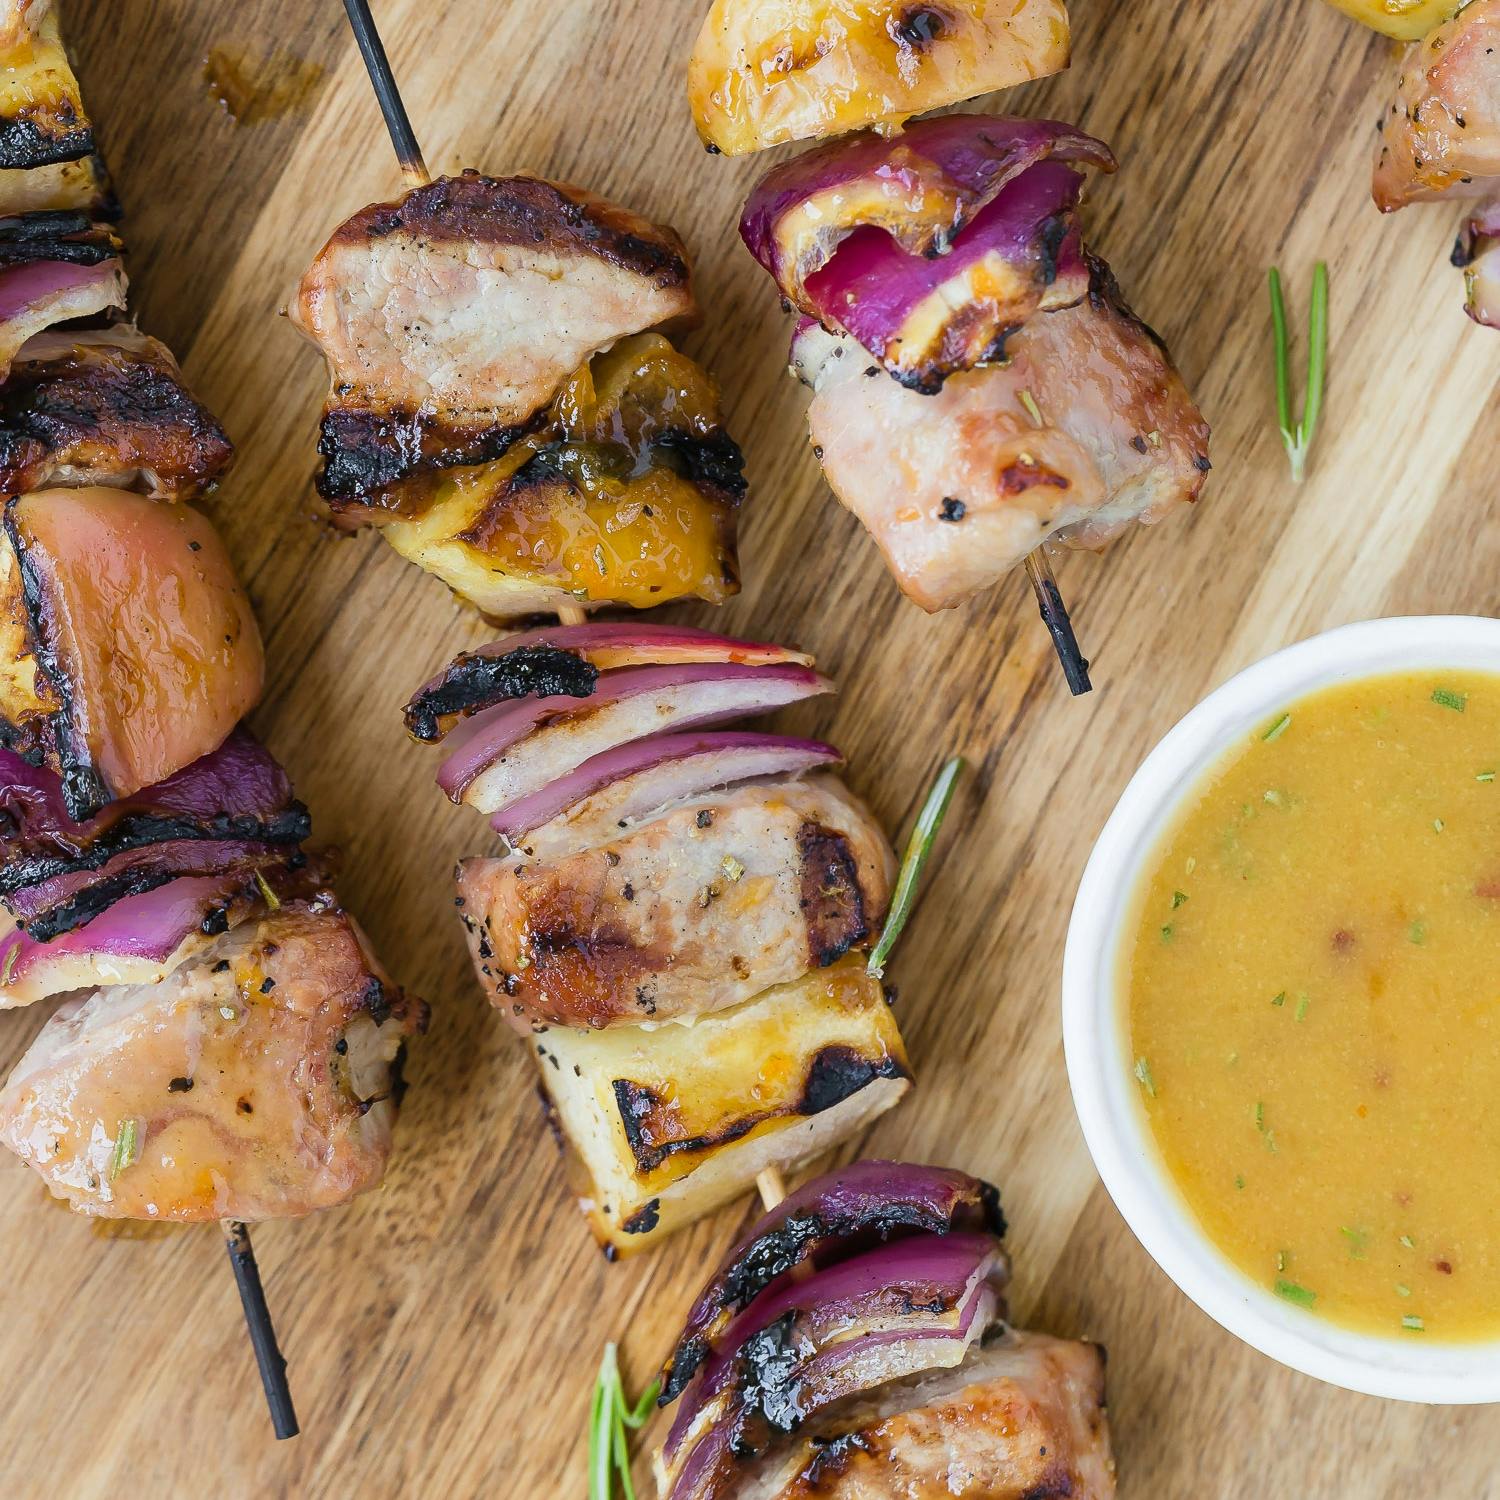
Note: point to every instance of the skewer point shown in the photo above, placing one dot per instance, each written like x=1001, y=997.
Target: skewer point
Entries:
x=268, y=1356
x=1055, y=616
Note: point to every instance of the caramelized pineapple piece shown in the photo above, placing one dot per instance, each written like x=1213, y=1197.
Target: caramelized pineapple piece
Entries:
x=667, y=1123
x=768, y=71
x=1406, y=20
x=627, y=494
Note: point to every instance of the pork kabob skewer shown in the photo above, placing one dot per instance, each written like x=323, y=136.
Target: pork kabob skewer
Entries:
x=408, y=151
x=980, y=390
x=153, y=870
x=506, y=407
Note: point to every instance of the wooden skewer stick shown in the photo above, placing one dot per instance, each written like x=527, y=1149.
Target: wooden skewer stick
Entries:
x=268, y=1356
x=1054, y=612
x=772, y=1187
x=408, y=152
x=378, y=65
x=1055, y=615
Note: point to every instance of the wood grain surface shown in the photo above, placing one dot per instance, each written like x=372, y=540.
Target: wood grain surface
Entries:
x=443, y=1333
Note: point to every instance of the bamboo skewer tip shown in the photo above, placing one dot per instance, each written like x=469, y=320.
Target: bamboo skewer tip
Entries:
x=1055, y=616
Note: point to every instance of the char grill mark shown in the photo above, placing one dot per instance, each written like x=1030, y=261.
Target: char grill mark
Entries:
x=832, y=897
x=94, y=899
x=474, y=681
x=107, y=413
x=649, y=1121
x=368, y=455
x=56, y=234
x=521, y=211
x=57, y=726
x=43, y=138
x=144, y=830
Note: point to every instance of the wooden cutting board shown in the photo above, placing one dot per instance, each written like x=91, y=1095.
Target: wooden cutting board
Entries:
x=443, y=1333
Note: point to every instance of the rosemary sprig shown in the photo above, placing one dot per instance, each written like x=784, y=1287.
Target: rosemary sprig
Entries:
x=1298, y=436
x=923, y=836
x=609, y=1417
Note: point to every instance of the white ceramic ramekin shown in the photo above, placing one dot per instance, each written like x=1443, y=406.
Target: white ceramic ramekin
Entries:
x=1407, y=1368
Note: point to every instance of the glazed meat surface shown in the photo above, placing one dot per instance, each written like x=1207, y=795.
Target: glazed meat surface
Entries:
x=1086, y=430
x=257, y=1082
x=127, y=646
x=449, y=319
x=1440, y=136
x=699, y=909
x=1022, y=1419
x=106, y=408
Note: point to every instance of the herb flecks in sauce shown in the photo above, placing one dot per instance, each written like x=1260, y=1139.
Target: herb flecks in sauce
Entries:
x=1326, y=977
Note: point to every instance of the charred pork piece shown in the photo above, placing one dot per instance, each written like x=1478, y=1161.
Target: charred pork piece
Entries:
x=1023, y=1417
x=626, y=491
x=1440, y=136
x=230, y=814
x=666, y=1124
x=452, y=318
x=765, y=73
x=1084, y=431
x=106, y=408
x=259, y=1081
x=825, y=1221
x=854, y=1347
x=127, y=646
x=714, y=901
x=42, y=119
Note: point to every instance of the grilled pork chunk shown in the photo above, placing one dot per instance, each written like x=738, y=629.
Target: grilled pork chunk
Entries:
x=664, y=1124
x=1022, y=1418
x=1085, y=430
x=259, y=1081
x=127, y=646
x=768, y=71
x=82, y=185
x=452, y=317
x=106, y=408
x=697, y=910
x=42, y=119
x=1440, y=137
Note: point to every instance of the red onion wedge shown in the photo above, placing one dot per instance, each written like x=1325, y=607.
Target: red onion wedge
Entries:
x=137, y=941
x=632, y=781
x=40, y=294
x=236, y=793
x=897, y=1311
x=517, y=749
x=827, y=1219
x=566, y=661
x=930, y=247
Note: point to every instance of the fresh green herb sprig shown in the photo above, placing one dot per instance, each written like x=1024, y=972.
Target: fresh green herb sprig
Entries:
x=1298, y=436
x=918, y=849
x=609, y=1417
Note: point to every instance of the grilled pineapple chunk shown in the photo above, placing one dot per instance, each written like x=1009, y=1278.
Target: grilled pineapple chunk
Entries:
x=42, y=119
x=768, y=71
x=666, y=1123
x=1407, y=20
